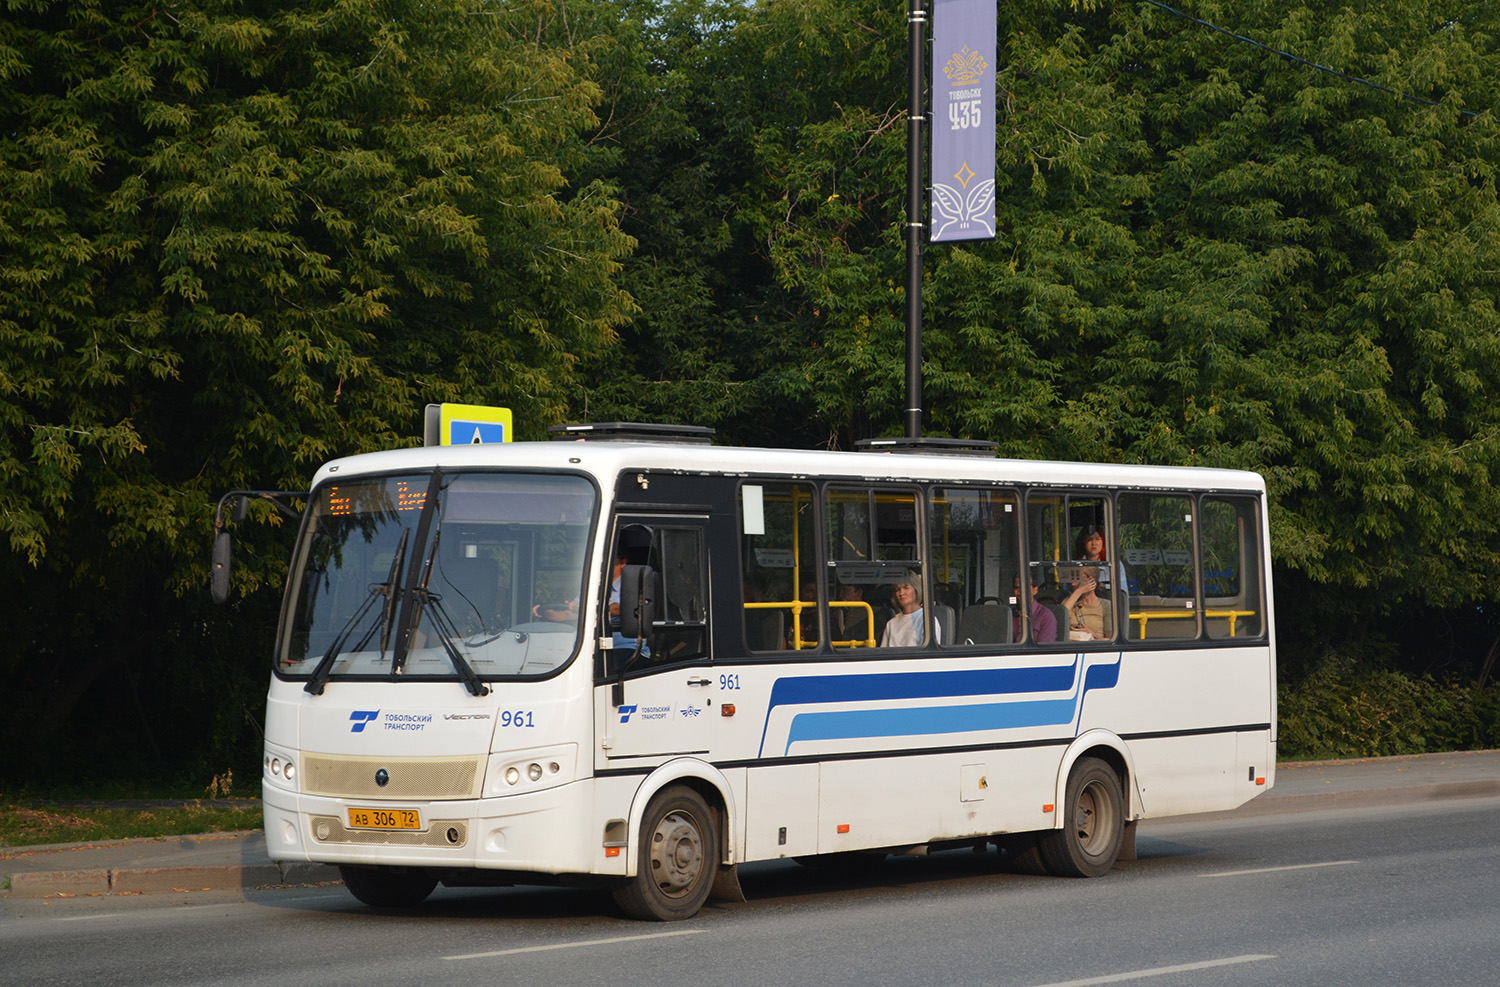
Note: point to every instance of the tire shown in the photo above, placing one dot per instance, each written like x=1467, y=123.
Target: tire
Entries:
x=679, y=855
x=384, y=888
x=1023, y=853
x=1093, y=820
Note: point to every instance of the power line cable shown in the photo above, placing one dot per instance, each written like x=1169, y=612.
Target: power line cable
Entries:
x=1299, y=60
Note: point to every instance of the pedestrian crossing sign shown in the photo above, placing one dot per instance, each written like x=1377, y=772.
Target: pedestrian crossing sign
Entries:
x=466, y=424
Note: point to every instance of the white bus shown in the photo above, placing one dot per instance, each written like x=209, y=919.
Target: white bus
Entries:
x=637, y=659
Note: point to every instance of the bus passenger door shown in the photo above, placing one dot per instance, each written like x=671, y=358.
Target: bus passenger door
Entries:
x=661, y=700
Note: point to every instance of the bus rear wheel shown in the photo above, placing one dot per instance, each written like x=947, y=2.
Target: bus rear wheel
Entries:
x=386, y=888
x=679, y=855
x=1093, y=821
x=1023, y=853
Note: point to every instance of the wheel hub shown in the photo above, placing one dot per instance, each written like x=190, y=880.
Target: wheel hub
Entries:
x=676, y=854
x=1091, y=828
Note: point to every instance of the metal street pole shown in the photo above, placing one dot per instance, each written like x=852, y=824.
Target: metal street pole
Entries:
x=917, y=37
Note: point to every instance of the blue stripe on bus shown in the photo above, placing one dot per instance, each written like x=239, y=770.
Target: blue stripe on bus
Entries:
x=1102, y=676
x=849, y=724
x=823, y=689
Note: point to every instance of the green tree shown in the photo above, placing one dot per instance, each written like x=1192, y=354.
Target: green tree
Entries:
x=1312, y=285
x=241, y=238
x=1207, y=254
x=696, y=348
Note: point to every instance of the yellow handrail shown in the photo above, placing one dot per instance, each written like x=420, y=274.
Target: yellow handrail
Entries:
x=1145, y=616
x=797, y=606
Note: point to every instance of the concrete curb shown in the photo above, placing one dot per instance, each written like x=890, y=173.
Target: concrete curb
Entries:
x=148, y=880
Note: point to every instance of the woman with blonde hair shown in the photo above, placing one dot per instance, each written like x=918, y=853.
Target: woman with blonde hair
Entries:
x=906, y=629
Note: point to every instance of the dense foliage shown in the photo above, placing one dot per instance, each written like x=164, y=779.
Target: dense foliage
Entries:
x=238, y=238
x=1348, y=708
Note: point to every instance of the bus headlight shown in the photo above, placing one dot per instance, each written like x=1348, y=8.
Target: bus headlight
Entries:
x=280, y=770
x=518, y=772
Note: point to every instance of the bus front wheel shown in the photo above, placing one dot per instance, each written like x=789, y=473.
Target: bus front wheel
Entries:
x=679, y=854
x=385, y=888
x=1088, y=843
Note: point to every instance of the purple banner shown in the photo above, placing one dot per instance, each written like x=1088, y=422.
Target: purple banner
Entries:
x=963, y=120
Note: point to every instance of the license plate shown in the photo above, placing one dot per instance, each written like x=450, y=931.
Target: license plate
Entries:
x=385, y=819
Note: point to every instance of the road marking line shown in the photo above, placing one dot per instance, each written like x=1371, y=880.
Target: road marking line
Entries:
x=1160, y=971
x=574, y=945
x=1273, y=870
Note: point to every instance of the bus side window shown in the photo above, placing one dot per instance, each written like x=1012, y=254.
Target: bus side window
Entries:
x=680, y=630
x=1229, y=535
x=1074, y=564
x=872, y=548
x=778, y=562
x=1156, y=547
x=975, y=539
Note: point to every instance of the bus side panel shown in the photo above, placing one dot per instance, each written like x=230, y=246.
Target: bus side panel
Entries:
x=281, y=721
x=1182, y=691
x=781, y=804
x=1196, y=723
x=1187, y=774
x=1214, y=773
x=916, y=800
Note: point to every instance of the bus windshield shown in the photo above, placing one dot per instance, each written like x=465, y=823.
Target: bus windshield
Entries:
x=470, y=575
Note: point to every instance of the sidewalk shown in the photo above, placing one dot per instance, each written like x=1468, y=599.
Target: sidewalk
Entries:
x=226, y=861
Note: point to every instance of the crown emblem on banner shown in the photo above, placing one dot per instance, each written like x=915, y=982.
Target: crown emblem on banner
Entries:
x=965, y=67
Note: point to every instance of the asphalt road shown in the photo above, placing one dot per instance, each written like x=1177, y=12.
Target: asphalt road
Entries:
x=1402, y=894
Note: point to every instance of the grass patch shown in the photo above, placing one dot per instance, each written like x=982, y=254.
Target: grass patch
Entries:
x=28, y=822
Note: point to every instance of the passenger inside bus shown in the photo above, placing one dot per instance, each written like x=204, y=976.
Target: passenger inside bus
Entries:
x=906, y=629
x=1089, y=547
x=1043, y=622
x=1088, y=615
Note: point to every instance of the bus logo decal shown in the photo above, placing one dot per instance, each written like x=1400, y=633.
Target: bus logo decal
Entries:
x=362, y=718
x=625, y=712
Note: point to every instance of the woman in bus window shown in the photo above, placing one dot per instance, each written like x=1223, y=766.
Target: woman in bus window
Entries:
x=1086, y=620
x=1090, y=548
x=906, y=629
x=1090, y=545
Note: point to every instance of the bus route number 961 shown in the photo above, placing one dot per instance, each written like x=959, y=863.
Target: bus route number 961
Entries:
x=516, y=718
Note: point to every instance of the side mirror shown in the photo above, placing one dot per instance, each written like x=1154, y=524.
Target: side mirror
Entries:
x=219, y=570
x=218, y=581
x=637, y=601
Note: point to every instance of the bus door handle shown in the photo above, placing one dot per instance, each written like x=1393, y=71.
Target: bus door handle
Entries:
x=700, y=682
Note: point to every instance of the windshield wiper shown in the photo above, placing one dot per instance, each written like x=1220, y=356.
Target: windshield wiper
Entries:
x=386, y=589
x=389, y=591
x=442, y=622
